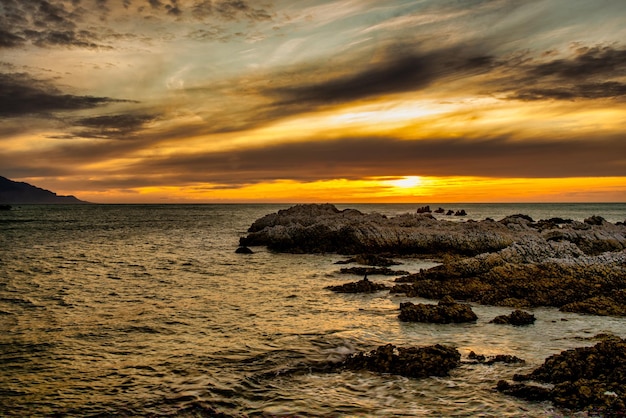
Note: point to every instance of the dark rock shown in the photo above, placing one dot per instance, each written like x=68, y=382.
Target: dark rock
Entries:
x=528, y=392
x=370, y=260
x=516, y=317
x=446, y=312
x=450, y=212
x=244, y=250
x=381, y=271
x=460, y=213
x=499, y=358
x=424, y=209
x=588, y=378
x=362, y=286
x=595, y=220
x=436, y=360
x=440, y=210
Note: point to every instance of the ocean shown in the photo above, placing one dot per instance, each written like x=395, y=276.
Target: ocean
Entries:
x=146, y=310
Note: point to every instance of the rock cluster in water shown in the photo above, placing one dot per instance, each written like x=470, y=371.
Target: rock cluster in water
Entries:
x=436, y=360
x=589, y=378
x=519, y=262
x=445, y=312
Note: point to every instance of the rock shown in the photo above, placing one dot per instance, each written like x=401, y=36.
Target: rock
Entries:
x=450, y=212
x=424, y=209
x=440, y=210
x=383, y=271
x=499, y=358
x=528, y=392
x=595, y=220
x=244, y=250
x=446, y=312
x=417, y=362
x=460, y=213
x=588, y=378
x=600, y=305
x=362, y=286
x=370, y=260
x=516, y=317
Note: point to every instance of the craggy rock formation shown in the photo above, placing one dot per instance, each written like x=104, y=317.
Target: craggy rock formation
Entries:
x=446, y=312
x=382, y=271
x=576, y=266
x=324, y=228
x=362, y=286
x=499, y=358
x=516, y=317
x=436, y=360
x=589, y=378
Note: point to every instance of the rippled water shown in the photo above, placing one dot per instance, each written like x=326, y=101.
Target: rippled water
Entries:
x=147, y=310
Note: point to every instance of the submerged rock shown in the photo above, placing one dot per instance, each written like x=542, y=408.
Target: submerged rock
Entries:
x=516, y=317
x=382, y=271
x=499, y=358
x=244, y=250
x=588, y=378
x=436, y=360
x=362, y=286
x=371, y=260
x=445, y=312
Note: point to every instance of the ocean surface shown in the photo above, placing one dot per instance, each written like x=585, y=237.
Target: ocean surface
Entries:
x=146, y=310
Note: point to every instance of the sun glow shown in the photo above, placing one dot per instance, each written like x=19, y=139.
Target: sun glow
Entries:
x=406, y=182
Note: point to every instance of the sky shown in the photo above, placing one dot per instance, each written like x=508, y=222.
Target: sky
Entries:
x=183, y=101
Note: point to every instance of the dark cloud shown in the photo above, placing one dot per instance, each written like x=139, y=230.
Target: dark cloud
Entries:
x=397, y=74
x=590, y=73
x=357, y=158
x=78, y=24
x=22, y=95
x=118, y=126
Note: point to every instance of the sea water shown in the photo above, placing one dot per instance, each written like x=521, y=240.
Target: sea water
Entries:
x=146, y=310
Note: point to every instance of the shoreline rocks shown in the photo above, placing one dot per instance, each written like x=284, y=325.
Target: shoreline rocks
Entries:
x=588, y=378
x=517, y=261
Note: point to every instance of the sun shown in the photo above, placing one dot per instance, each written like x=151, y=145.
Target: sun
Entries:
x=406, y=182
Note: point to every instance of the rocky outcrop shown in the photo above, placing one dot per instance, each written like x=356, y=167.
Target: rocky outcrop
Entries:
x=324, y=228
x=445, y=312
x=362, y=286
x=244, y=250
x=417, y=362
x=589, y=378
x=516, y=317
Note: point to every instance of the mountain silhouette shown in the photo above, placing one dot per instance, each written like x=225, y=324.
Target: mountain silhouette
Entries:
x=14, y=192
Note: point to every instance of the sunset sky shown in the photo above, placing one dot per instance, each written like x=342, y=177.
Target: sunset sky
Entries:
x=315, y=101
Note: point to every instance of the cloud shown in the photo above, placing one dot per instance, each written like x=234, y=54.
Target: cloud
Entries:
x=22, y=95
x=592, y=72
x=396, y=74
x=117, y=126
x=355, y=158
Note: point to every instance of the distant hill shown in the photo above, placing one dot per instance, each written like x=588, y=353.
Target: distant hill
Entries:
x=15, y=193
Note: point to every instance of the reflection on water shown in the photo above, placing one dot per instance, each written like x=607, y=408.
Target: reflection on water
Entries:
x=147, y=310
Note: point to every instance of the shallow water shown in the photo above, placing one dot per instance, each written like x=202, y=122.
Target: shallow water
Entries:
x=146, y=310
